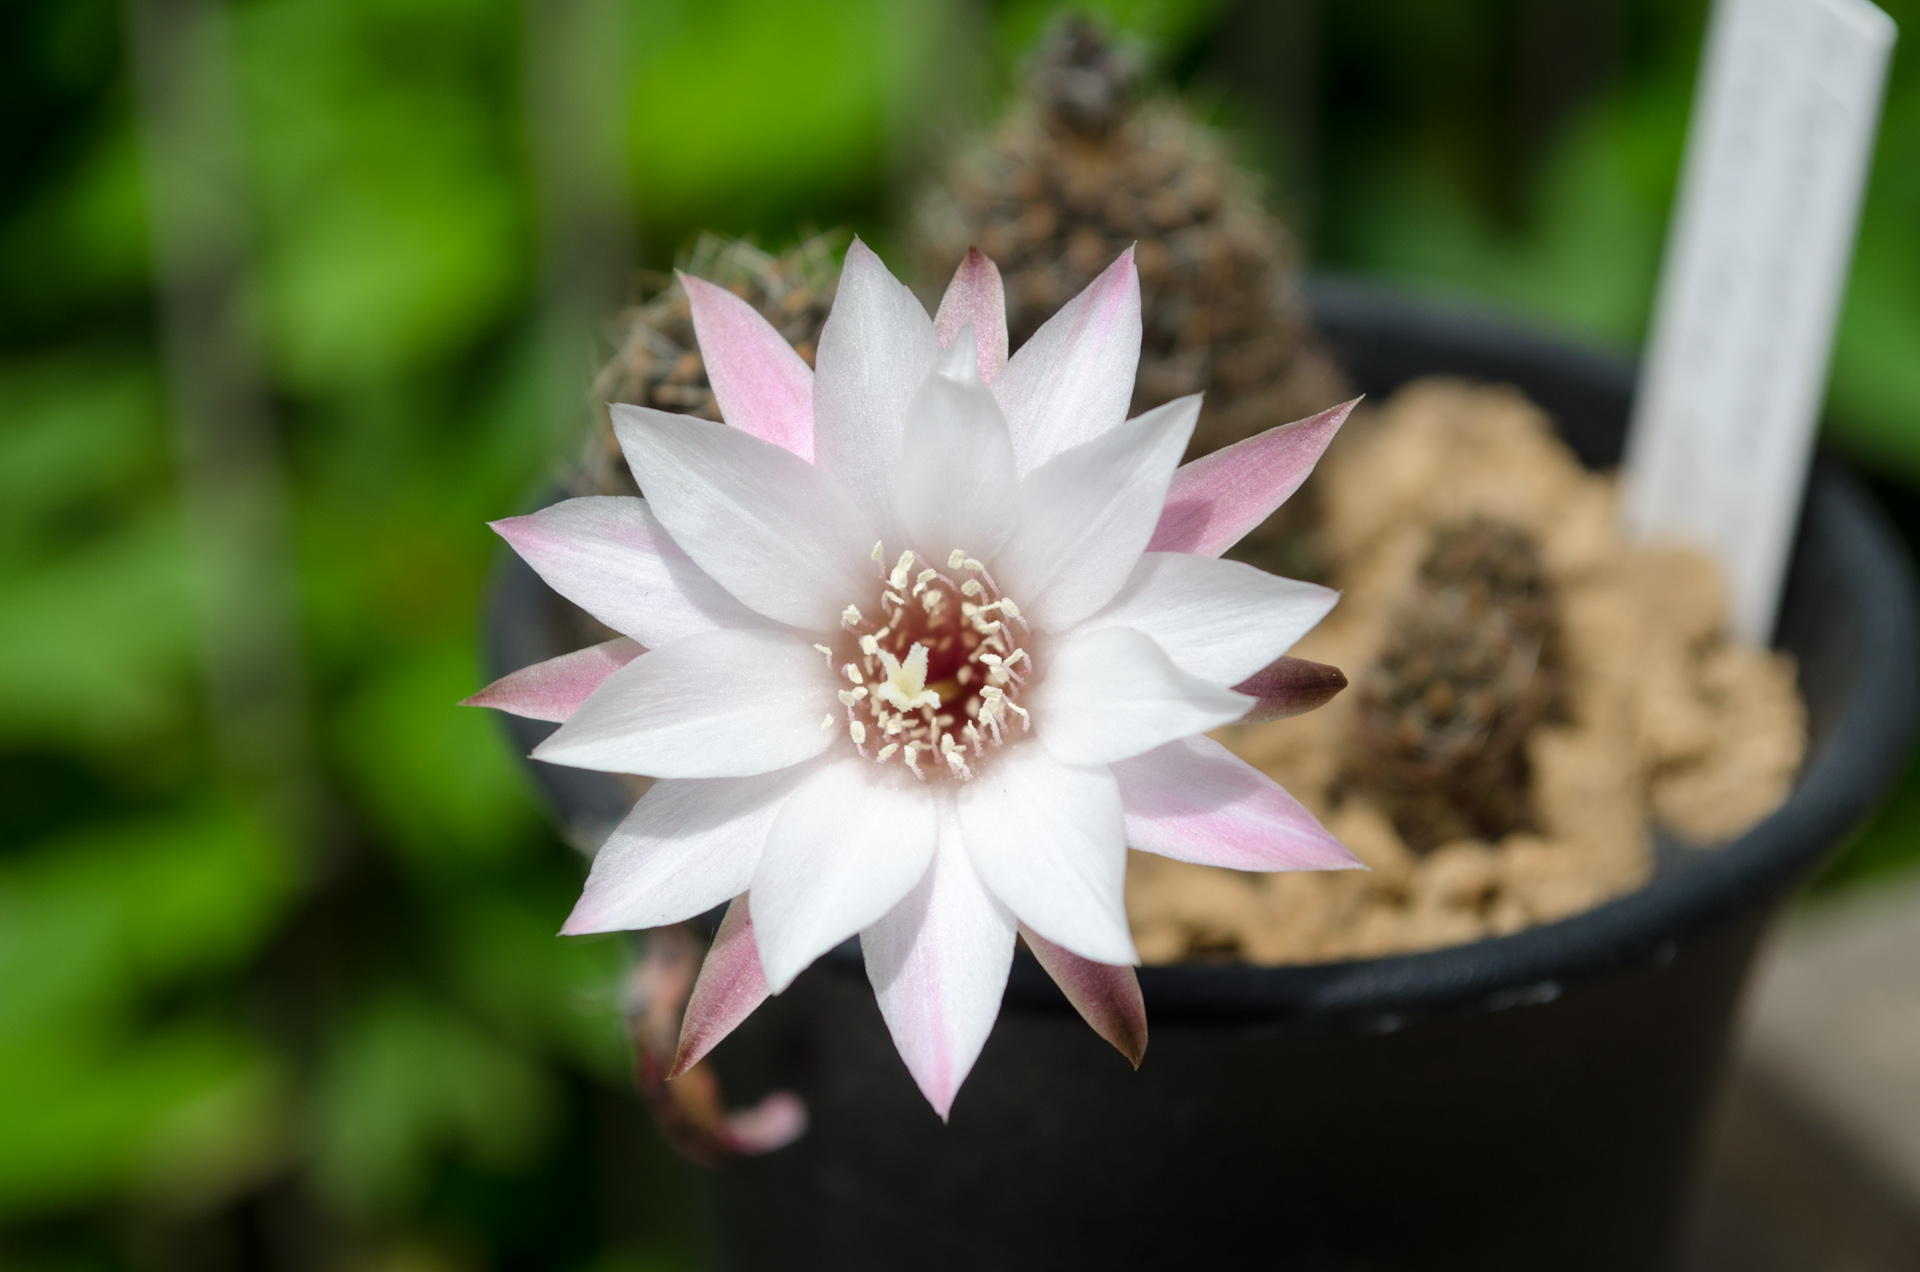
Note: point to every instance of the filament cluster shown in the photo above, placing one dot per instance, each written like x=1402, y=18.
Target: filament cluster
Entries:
x=935, y=674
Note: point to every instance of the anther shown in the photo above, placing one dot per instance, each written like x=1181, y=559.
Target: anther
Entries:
x=852, y=673
x=869, y=646
x=829, y=653
x=886, y=752
x=958, y=559
x=971, y=588
x=850, y=696
x=857, y=731
x=849, y=617
x=899, y=576
x=826, y=723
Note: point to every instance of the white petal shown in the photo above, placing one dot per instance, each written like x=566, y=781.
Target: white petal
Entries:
x=1048, y=840
x=850, y=843
x=875, y=351
x=722, y=704
x=686, y=847
x=938, y=962
x=1086, y=516
x=767, y=525
x=610, y=555
x=1074, y=379
x=956, y=486
x=1113, y=693
x=1218, y=620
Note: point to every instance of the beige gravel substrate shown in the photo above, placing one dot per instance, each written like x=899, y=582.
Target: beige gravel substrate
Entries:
x=1664, y=721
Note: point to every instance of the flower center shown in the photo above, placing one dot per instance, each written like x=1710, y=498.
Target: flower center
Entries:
x=936, y=672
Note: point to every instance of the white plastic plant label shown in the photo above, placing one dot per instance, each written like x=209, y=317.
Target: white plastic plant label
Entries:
x=1757, y=259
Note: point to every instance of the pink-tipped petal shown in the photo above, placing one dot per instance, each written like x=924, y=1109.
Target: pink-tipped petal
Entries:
x=761, y=384
x=1194, y=800
x=610, y=555
x=775, y=1122
x=731, y=985
x=1290, y=687
x=976, y=296
x=1106, y=996
x=938, y=962
x=1214, y=501
x=554, y=689
x=1074, y=379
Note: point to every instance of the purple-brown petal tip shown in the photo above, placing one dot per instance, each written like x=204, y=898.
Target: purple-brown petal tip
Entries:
x=1106, y=995
x=1290, y=687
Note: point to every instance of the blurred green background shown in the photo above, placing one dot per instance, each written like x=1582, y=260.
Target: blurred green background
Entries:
x=299, y=1004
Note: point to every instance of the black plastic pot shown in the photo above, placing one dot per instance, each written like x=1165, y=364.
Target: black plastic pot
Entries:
x=1532, y=1101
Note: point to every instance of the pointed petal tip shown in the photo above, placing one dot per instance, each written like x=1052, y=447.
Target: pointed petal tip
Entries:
x=581, y=922
x=1107, y=995
x=1291, y=686
x=1216, y=499
x=941, y=1101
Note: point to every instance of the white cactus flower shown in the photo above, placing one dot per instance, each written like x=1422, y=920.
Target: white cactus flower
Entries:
x=916, y=644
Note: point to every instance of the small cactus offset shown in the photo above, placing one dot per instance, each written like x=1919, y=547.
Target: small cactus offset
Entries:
x=1468, y=669
x=1084, y=167
x=657, y=362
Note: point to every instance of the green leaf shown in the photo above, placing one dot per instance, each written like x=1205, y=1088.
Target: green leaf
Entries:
x=407, y=1081
x=91, y=917
x=439, y=777
x=188, y=1113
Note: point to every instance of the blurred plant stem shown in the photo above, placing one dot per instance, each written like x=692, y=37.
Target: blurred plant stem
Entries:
x=232, y=491
x=578, y=65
